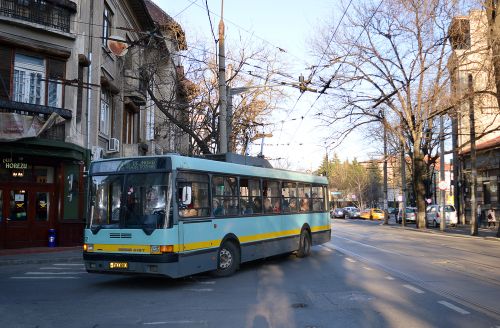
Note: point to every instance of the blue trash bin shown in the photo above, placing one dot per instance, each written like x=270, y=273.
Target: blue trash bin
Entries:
x=52, y=237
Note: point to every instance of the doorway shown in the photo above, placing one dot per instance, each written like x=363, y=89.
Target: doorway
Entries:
x=27, y=213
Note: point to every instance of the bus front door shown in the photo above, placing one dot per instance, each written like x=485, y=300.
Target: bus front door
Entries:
x=197, y=245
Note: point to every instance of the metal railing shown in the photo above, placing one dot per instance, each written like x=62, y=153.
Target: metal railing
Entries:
x=39, y=12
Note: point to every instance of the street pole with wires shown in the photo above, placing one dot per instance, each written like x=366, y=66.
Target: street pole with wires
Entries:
x=222, y=87
x=386, y=209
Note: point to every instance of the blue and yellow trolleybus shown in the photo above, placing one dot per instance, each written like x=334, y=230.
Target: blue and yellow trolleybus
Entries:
x=175, y=216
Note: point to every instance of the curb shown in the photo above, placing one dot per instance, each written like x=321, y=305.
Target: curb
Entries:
x=41, y=260
x=445, y=233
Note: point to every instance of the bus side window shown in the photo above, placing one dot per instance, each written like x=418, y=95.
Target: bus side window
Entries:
x=289, y=199
x=225, y=196
x=250, y=196
x=192, y=194
x=317, y=198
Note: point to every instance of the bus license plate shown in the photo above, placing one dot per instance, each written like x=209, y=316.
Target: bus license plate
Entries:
x=118, y=265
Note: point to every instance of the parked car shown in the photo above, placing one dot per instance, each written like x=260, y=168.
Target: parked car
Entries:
x=433, y=215
x=372, y=214
x=351, y=212
x=337, y=213
x=411, y=215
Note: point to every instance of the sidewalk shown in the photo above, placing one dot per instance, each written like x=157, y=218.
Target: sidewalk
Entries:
x=458, y=231
x=37, y=255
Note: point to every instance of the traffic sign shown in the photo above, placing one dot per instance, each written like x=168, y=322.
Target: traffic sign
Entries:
x=443, y=185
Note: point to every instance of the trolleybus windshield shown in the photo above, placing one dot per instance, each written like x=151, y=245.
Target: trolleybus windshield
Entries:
x=129, y=201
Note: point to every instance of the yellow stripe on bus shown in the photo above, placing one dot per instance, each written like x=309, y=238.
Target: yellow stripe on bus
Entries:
x=146, y=249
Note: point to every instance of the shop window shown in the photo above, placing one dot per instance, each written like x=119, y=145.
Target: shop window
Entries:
x=1, y=205
x=42, y=206
x=18, y=205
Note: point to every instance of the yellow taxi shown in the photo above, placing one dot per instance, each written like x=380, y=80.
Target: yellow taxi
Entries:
x=372, y=214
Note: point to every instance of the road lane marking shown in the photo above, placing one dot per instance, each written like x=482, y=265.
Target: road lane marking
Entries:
x=175, y=322
x=453, y=307
x=367, y=268
x=42, y=277
x=199, y=290
x=366, y=245
x=69, y=264
x=389, y=278
x=350, y=260
x=61, y=268
x=415, y=289
x=326, y=248
x=54, y=273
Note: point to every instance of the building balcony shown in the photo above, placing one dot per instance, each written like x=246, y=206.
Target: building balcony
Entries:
x=54, y=14
x=134, y=87
x=23, y=120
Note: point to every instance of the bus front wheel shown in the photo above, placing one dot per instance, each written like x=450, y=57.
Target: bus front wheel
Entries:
x=228, y=259
x=304, y=244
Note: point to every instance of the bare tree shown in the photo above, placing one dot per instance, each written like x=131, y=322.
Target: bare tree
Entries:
x=188, y=96
x=391, y=56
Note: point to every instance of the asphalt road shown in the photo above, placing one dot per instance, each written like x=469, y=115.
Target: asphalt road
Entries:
x=367, y=276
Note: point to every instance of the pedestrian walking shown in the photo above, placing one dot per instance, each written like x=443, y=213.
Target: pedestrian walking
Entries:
x=491, y=218
x=479, y=215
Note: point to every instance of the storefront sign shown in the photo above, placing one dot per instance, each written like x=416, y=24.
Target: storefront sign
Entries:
x=8, y=163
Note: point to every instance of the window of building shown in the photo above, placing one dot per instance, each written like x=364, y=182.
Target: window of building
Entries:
x=105, y=113
x=225, y=195
x=486, y=193
x=18, y=205
x=29, y=74
x=129, y=134
x=106, y=24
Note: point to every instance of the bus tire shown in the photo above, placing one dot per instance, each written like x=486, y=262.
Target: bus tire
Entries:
x=228, y=259
x=304, y=244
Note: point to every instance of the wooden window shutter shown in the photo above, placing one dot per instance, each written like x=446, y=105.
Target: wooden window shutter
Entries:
x=5, y=71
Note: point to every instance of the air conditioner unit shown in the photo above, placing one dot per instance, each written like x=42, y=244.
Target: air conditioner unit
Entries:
x=97, y=153
x=114, y=145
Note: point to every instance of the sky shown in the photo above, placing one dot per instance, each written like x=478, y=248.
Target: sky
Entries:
x=290, y=25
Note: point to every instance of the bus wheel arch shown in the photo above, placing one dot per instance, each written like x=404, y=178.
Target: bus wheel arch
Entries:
x=228, y=256
x=305, y=242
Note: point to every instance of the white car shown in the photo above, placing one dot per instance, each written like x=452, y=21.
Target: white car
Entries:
x=433, y=215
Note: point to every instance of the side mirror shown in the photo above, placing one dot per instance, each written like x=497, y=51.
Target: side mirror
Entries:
x=186, y=195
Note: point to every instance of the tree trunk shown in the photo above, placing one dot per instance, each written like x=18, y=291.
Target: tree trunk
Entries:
x=418, y=180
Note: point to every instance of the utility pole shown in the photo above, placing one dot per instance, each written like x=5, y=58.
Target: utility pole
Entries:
x=473, y=201
x=442, y=225
x=222, y=87
x=386, y=210
x=403, y=182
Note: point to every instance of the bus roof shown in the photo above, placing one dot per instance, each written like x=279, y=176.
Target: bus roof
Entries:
x=179, y=162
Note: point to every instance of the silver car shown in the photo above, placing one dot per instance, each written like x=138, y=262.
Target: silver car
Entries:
x=351, y=212
x=433, y=215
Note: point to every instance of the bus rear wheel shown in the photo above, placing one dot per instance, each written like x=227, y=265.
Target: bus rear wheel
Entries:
x=304, y=244
x=228, y=259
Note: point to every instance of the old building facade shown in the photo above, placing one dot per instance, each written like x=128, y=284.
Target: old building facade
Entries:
x=66, y=98
x=473, y=88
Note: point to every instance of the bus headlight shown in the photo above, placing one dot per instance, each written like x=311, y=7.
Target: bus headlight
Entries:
x=88, y=247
